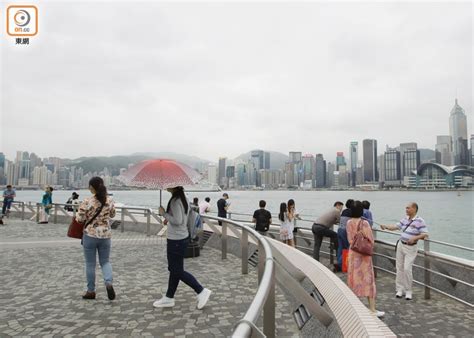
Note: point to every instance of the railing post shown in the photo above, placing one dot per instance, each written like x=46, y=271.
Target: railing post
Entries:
x=426, y=248
x=244, y=244
x=224, y=240
x=148, y=230
x=55, y=219
x=374, y=257
x=269, y=309
x=261, y=261
x=37, y=212
x=122, y=220
x=294, y=233
x=22, y=211
x=229, y=215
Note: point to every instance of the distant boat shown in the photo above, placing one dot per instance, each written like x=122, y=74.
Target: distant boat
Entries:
x=203, y=186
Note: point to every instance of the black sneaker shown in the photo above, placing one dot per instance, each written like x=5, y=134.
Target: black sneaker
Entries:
x=110, y=292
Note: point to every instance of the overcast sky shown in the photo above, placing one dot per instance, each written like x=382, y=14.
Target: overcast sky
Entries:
x=210, y=79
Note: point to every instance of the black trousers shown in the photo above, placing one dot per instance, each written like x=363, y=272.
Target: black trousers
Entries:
x=320, y=231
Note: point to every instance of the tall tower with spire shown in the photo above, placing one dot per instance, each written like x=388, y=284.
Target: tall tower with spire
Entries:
x=458, y=132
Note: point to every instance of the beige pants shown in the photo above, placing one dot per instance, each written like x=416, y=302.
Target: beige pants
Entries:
x=406, y=255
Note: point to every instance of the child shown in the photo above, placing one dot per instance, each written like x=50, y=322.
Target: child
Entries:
x=286, y=227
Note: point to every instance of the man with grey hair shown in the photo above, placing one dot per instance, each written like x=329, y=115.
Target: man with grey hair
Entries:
x=413, y=229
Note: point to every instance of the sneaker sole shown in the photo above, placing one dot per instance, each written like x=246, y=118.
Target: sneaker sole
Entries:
x=162, y=305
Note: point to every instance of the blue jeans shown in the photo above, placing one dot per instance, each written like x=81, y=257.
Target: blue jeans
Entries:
x=93, y=245
x=7, y=203
x=343, y=243
x=175, y=252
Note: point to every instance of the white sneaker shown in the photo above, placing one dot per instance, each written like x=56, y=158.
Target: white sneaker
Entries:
x=379, y=314
x=203, y=297
x=399, y=294
x=164, y=302
x=408, y=295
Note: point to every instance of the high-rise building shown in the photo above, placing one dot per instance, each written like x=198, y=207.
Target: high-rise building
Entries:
x=409, y=158
x=320, y=171
x=295, y=156
x=411, y=162
x=2, y=169
x=266, y=160
x=444, y=150
x=331, y=169
x=2, y=160
x=353, y=158
x=370, y=160
x=212, y=173
x=392, y=167
x=221, y=171
x=308, y=168
x=472, y=150
x=458, y=132
x=230, y=171
x=257, y=157
x=340, y=160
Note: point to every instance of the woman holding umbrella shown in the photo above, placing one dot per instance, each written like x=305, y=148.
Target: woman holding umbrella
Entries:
x=176, y=214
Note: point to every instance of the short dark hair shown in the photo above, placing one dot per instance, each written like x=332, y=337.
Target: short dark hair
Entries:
x=413, y=204
x=195, y=200
x=357, y=210
x=366, y=204
x=9, y=186
x=349, y=203
x=225, y=195
x=51, y=188
x=262, y=204
x=207, y=199
x=338, y=203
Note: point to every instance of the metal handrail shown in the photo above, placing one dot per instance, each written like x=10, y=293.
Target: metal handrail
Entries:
x=267, y=282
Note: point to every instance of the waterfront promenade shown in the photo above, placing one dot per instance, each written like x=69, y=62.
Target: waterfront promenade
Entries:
x=42, y=279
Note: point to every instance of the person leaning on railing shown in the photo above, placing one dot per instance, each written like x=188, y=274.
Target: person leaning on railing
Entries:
x=413, y=229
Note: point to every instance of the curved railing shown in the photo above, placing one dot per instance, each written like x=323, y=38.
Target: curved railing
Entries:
x=265, y=296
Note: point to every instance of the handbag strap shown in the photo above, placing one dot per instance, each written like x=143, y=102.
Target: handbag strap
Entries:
x=408, y=225
x=96, y=214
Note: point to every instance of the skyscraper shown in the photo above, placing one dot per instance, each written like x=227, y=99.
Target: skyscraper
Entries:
x=320, y=171
x=411, y=161
x=444, y=150
x=309, y=168
x=266, y=160
x=370, y=160
x=221, y=170
x=257, y=158
x=458, y=132
x=340, y=160
x=410, y=157
x=472, y=150
x=353, y=158
x=295, y=156
x=392, y=167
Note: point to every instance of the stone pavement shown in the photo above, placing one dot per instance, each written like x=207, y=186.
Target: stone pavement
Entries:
x=42, y=278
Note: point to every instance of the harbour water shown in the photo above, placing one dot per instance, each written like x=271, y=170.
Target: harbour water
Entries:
x=449, y=215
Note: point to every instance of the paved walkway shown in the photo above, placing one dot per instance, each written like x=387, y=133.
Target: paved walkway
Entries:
x=42, y=279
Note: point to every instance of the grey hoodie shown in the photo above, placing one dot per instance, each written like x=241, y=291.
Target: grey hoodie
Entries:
x=177, y=221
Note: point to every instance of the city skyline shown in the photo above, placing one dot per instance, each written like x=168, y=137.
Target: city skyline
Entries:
x=295, y=76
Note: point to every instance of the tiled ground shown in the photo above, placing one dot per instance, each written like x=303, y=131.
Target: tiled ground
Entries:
x=42, y=279
x=42, y=283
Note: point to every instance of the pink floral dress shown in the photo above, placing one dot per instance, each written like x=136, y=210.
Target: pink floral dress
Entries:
x=360, y=270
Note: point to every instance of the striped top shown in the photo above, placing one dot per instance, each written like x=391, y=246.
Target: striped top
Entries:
x=415, y=228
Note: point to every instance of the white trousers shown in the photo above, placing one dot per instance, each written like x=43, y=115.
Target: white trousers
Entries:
x=406, y=255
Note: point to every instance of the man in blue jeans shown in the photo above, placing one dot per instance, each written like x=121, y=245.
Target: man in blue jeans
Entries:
x=8, y=197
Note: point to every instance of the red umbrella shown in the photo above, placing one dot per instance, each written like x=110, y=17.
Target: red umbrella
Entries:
x=160, y=174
